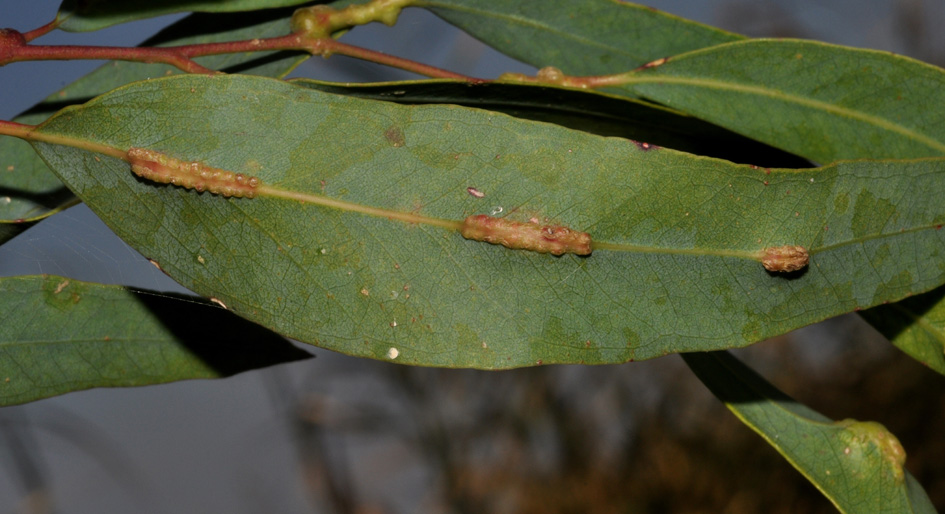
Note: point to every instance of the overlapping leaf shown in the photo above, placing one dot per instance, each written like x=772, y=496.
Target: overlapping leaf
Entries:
x=820, y=101
x=857, y=465
x=60, y=335
x=675, y=277
x=34, y=192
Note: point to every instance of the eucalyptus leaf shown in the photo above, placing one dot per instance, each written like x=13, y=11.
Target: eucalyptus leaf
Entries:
x=116, y=337
x=820, y=101
x=858, y=465
x=591, y=37
x=88, y=15
x=324, y=256
x=34, y=192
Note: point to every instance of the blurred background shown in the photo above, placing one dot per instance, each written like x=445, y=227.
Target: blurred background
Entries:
x=343, y=435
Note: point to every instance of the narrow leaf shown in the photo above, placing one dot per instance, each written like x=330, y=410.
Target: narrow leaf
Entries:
x=858, y=465
x=88, y=15
x=820, y=101
x=29, y=191
x=353, y=241
x=118, y=338
x=591, y=37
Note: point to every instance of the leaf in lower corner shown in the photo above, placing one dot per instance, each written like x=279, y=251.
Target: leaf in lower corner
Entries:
x=858, y=465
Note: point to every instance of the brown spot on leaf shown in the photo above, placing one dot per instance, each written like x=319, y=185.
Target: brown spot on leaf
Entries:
x=395, y=136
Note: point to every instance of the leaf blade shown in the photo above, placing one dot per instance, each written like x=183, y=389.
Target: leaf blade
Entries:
x=670, y=274
x=857, y=465
x=118, y=338
x=592, y=38
x=823, y=102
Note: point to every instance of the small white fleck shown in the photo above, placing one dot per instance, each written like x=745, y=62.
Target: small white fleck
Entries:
x=393, y=353
x=393, y=324
x=812, y=180
x=475, y=192
x=323, y=251
x=201, y=260
x=484, y=345
x=497, y=210
x=218, y=302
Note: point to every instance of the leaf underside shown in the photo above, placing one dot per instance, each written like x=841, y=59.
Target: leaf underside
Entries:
x=365, y=284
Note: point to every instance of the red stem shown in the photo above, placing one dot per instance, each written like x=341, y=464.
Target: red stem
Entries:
x=182, y=56
x=41, y=31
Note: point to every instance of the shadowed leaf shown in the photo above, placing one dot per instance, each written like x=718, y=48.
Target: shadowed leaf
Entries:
x=60, y=335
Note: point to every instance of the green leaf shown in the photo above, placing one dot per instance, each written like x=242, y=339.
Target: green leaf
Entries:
x=916, y=326
x=118, y=338
x=820, y=101
x=676, y=235
x=29, y=191
x=591, y=37
x=858, y=465
x=88, y=15
x=593, y=112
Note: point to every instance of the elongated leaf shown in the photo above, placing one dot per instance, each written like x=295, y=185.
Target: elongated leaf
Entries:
x=87, y=15
x=857, y=465
x=592, y=112
x=29, y=191
x=591, y=37
x=115, y=337
x=675, y=234
x=820, y=101
x=916, y=326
